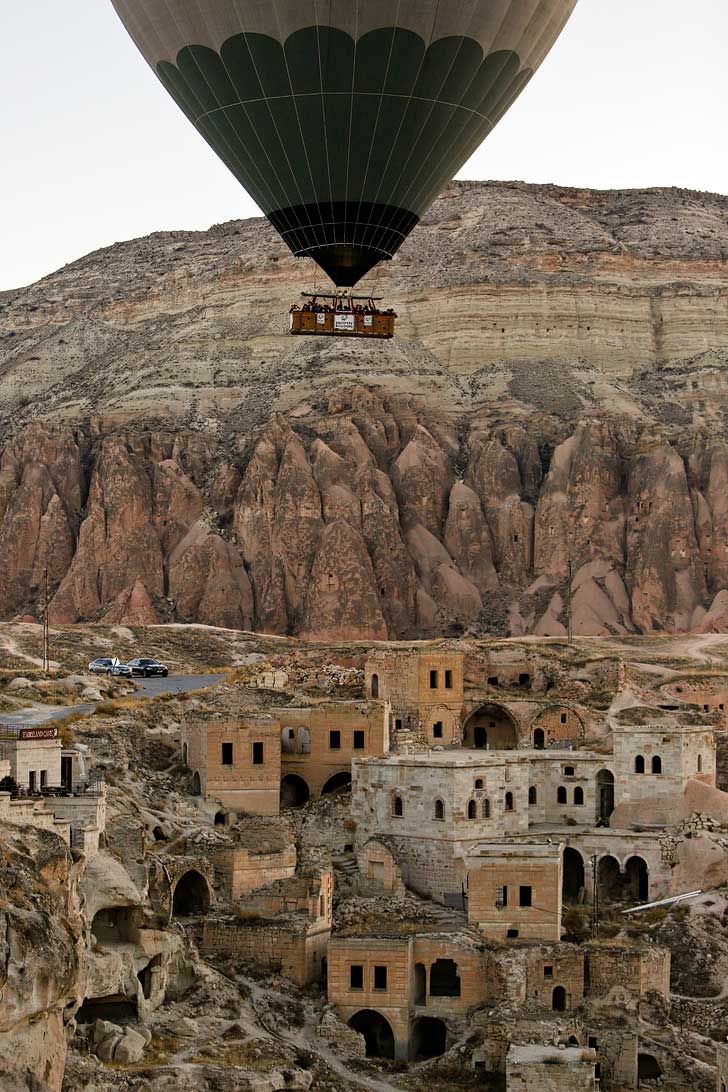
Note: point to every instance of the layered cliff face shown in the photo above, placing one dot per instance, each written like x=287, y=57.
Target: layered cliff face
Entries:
x=41, y=961
x=171, y=454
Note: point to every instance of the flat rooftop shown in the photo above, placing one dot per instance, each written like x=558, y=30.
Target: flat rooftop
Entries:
x=462, y=757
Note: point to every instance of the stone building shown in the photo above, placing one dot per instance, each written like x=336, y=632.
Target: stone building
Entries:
x=617, y=974
x=655, y=756
x=258, y=852
x=539, y=1068
x=319, y=742
x=436, y=807
x=408, y=995
x=235, y=762
x=424, y=690
x=570, y=787
x=34, y=756
x=514, y=890
x=285, y=927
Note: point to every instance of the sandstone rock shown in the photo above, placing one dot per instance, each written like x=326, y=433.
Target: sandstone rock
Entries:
x=343, y=599
x=130, y=1048
x=132, y=607
x=208, y=581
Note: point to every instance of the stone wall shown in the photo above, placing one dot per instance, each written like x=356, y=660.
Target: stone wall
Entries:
x=425, y=691
x=657, y=760
x=634, y=971
x=238, y=761
x=242, y=870
x=564, y=786
x=284, y=946
x=550, y=1069
x=41, y=757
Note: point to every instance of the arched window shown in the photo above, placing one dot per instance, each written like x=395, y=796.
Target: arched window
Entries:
x=486, y=809
x=700, y=763
x=558, y=999
x=479, y=783
x=657, y=764
x=439, y=809
x=561, y=795
x=397, y=806
x=375, y=686
x=532, y=795
x=509, y=801
x=639, y=764
x=539, y=739
x=472, y=810
x=578, y=795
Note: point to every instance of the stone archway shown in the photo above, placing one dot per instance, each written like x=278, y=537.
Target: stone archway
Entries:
x=609, y=879
x=338, y=781
x=191, y=895
x=637, y=882
x=428, y=1039
x=294, y=791
x=573, y=882
x=377, y=1032
x=491, y=727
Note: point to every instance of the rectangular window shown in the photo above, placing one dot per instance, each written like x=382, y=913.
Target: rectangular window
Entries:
x=437, y=729
x=380, y=978
x=564, y=718
x=31, y=780
x=257, y=754
x=43, y=778
x=525, y=896
x=448, y=680
x=501, y=896
x=358, y=741
x=227, y=754
x=335, y=741
x=548, y=972
x=433, y=680
x=356, y=976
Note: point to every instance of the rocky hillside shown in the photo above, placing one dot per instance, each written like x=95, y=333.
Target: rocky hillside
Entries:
x=556, y=393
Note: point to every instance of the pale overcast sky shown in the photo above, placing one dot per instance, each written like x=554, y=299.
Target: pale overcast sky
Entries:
x=94, y=151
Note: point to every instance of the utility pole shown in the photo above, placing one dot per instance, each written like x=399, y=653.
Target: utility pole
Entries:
x=46, y=656
x=595, y=898
x=569, y=621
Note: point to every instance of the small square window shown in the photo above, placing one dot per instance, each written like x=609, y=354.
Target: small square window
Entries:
x=335, y=741
x=433, y=680
x=548, y=972
x=568, y=771
x=257, y=754
x=358, y=741
x=398, y=724
x=356, y=976
x=380, y=978
x=512, y=934
x=501, y=896
x=437, y=729
x=525, y=895
x=448, y=680
x=227, y=754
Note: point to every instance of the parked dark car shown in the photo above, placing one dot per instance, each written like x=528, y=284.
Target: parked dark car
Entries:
x=102, y=666
x=148, y=668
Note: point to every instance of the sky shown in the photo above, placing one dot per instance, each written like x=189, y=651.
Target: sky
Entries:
x=94, y=151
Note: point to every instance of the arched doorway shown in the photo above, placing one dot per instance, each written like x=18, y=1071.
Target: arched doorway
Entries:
x=220, y=818
x=338, y=781
x=609, y=878
x=196, y=784
x=558, y=999
x=491, y=727
x=191, y=895
x=648, y=1068
x=377, y=1032
x=605, y=794
x=294, y=791
x=638, y=879
x=428, y=1040
x=573, y=881
x=539, y=739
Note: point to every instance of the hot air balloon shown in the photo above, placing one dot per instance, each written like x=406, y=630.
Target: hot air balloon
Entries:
x=344, y=119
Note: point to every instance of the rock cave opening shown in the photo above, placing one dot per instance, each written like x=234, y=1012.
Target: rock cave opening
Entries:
x=116, y=1007
x=648, y=1069
x=429, y=1039
x=294, y=791
x=377, y=1032
x=191, y=895
x=115, y=924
